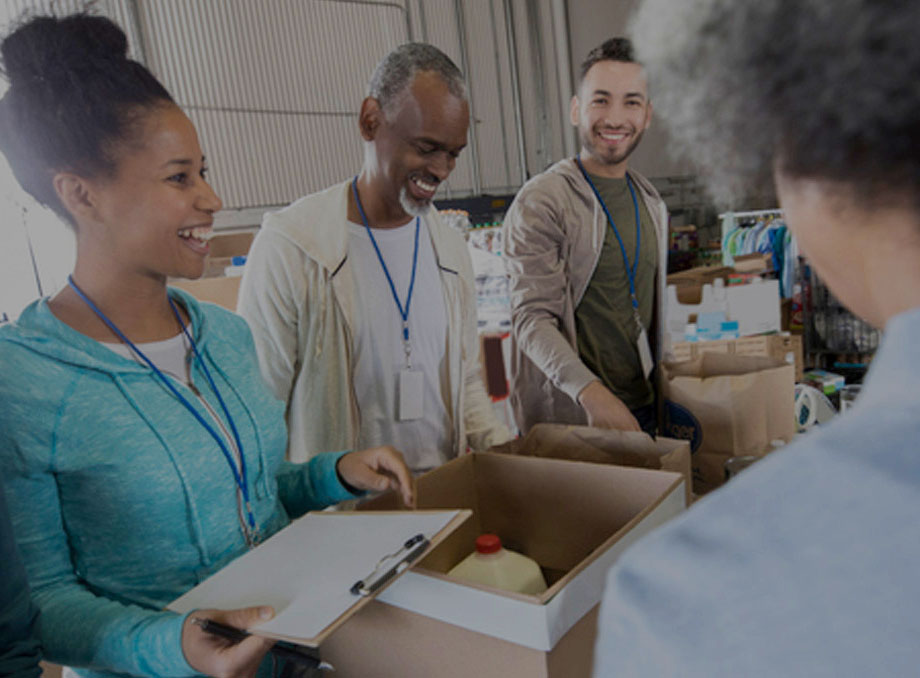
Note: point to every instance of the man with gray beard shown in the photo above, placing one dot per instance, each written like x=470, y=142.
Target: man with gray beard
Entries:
x=361, y=300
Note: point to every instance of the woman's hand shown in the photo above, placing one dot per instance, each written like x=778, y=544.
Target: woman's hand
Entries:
x=378, y=469
x=222, y=658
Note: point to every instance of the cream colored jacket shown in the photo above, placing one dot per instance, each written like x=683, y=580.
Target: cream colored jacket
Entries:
x=298, y=295
x=553, y=234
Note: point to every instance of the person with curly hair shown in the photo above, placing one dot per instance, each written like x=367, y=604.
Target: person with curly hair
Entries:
x=805, y=565
x=141, y=451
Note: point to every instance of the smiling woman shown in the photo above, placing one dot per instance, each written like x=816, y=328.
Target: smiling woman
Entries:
x=148, y=219
x=141, y=451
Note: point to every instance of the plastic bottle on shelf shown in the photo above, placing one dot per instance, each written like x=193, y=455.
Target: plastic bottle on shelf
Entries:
x=492, y=565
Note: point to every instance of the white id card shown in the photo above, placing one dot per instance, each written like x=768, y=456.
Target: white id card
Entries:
x=645, y=353
x=411, y=383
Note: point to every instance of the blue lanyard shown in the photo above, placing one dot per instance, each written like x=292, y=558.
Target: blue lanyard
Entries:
x=239, y=476
x=403, y=312
x=630, y=270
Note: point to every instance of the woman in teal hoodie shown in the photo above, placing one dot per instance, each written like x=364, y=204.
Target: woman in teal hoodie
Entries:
x=140, y=450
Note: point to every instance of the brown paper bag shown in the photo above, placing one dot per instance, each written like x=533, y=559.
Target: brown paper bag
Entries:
x=603, y=446
x=727, y=406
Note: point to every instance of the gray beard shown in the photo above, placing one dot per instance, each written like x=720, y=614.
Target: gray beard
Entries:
x=411, y=207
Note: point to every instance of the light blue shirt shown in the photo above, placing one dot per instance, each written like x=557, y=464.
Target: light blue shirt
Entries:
x=805, y=565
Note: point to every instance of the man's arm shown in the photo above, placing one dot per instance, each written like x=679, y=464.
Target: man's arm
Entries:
x=605, y=410
x=273, y=283
x=535, y=243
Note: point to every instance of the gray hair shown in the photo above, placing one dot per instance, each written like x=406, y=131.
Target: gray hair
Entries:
x=395, y=72
x=820, y=89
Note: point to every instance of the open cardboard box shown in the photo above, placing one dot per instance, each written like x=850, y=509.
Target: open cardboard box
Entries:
x=573, y=518
x=604, y=446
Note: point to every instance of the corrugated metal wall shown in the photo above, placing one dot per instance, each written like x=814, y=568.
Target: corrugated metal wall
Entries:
x=274, y=94
x=274, y=86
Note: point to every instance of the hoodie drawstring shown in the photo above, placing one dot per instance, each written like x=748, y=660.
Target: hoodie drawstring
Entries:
x=261, y=481
x=197, y=529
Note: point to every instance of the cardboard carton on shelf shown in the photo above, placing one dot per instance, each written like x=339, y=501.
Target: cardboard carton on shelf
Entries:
x=573, y=518
x=755, y=307
x=214, y=285
x=689, y=284
x=756, y=263
x=785, y=347
x=222, y=291
x=224, y=247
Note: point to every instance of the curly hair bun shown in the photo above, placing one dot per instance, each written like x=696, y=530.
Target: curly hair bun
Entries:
x=74, y=98
x=49, y=46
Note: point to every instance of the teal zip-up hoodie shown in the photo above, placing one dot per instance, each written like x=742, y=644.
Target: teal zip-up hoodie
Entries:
x=120, y=500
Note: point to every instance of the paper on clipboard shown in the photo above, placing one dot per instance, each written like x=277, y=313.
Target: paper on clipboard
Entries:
x=306, y=571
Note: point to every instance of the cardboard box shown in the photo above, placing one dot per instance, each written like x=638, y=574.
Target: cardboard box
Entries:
x=223, y=248
x=222, y=291
x=726, y=406
x=758, y=262
x=785, y=347
x=755, y=307
x=214, y=285
x=689, y=283
x=573, y=518
x=228, y=245
x=603, y=446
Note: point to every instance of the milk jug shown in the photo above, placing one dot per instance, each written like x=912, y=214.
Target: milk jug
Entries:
x=492, y=565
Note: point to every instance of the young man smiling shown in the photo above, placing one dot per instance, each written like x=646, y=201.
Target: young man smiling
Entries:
x=585, y=245
x=361, y=300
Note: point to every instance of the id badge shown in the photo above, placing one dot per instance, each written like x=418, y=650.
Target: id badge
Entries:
x=645, y=353
x=411, y=383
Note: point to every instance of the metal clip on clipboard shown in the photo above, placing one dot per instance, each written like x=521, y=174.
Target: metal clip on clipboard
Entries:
x=391, y=565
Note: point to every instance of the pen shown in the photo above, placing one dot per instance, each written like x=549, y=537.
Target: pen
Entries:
x=280, y=651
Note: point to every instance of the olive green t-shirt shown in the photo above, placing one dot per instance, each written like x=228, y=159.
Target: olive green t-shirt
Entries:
x=604, y=322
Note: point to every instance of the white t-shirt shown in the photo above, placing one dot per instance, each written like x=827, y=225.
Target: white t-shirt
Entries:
x=169, y=355
x=172, y=356
x=379, y=354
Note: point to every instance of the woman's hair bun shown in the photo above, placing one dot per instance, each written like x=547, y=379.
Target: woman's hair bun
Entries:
x=74, y=99
x=48, y=46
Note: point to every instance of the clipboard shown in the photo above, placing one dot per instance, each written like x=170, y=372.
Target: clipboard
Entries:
x=322, y=569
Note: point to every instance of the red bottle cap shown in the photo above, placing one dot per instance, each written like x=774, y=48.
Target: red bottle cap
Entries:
x=488, y=543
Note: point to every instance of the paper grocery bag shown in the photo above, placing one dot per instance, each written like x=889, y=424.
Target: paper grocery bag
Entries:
x=727, y=406
x=603, y=446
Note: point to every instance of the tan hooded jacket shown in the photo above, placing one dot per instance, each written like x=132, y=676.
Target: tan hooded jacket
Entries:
x=298, y=295
x=553, y=234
